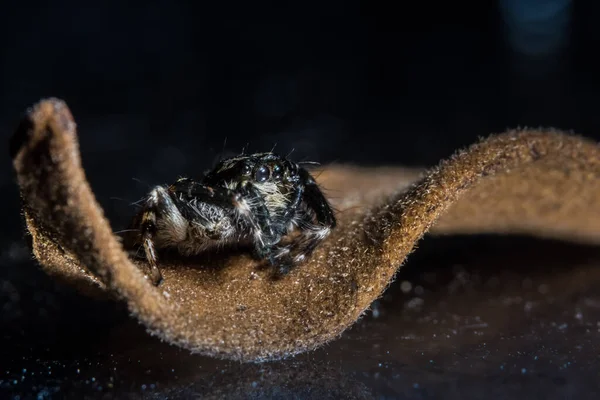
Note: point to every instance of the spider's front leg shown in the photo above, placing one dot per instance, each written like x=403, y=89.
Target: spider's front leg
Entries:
x=251, y=207
x=157, y=200
x=316, y=228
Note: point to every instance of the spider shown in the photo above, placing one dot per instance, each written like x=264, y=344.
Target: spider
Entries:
x=259, y=199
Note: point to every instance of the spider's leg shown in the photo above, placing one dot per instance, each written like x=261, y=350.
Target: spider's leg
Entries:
x=148, y=232
x=291, y=210
x=316, y=201
x=313, y=232
x=251, y=207
x=200, y=205
x=161, y=211
x=285, y=261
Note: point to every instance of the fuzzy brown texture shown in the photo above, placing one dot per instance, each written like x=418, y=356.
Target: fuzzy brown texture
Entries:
x=530, y=181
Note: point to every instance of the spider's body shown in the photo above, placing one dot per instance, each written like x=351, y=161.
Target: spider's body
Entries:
x=253, y=199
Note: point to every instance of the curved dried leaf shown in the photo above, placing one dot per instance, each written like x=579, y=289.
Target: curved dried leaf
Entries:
x=531, y=181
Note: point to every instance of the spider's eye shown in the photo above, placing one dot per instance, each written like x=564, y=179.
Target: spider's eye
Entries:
x=246, y=169
x=277, y=172
x=262, y=173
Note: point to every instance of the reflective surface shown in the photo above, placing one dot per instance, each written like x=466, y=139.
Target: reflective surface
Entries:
x=467, y=317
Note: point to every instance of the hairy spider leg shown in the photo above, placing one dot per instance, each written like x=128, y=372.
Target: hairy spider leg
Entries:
x=316, y=201
x=148, y=232
x=313, y=233
x=286, y=261
x=186, y=192
x=292, y=209
x=160, y=204
x=252, y=208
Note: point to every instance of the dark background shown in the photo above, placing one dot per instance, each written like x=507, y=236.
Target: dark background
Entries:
x=165, y=88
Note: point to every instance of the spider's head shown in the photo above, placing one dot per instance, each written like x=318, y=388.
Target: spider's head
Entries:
x=257, y=168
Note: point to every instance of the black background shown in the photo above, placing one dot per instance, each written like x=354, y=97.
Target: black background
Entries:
x=165, y=88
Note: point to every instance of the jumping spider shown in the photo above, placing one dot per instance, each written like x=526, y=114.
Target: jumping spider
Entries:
x=256, y=199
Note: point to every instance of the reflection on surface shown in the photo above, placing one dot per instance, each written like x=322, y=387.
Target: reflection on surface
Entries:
x=466, y=317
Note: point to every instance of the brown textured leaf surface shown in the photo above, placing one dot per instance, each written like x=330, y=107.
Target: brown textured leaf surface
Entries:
x=535, y=182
